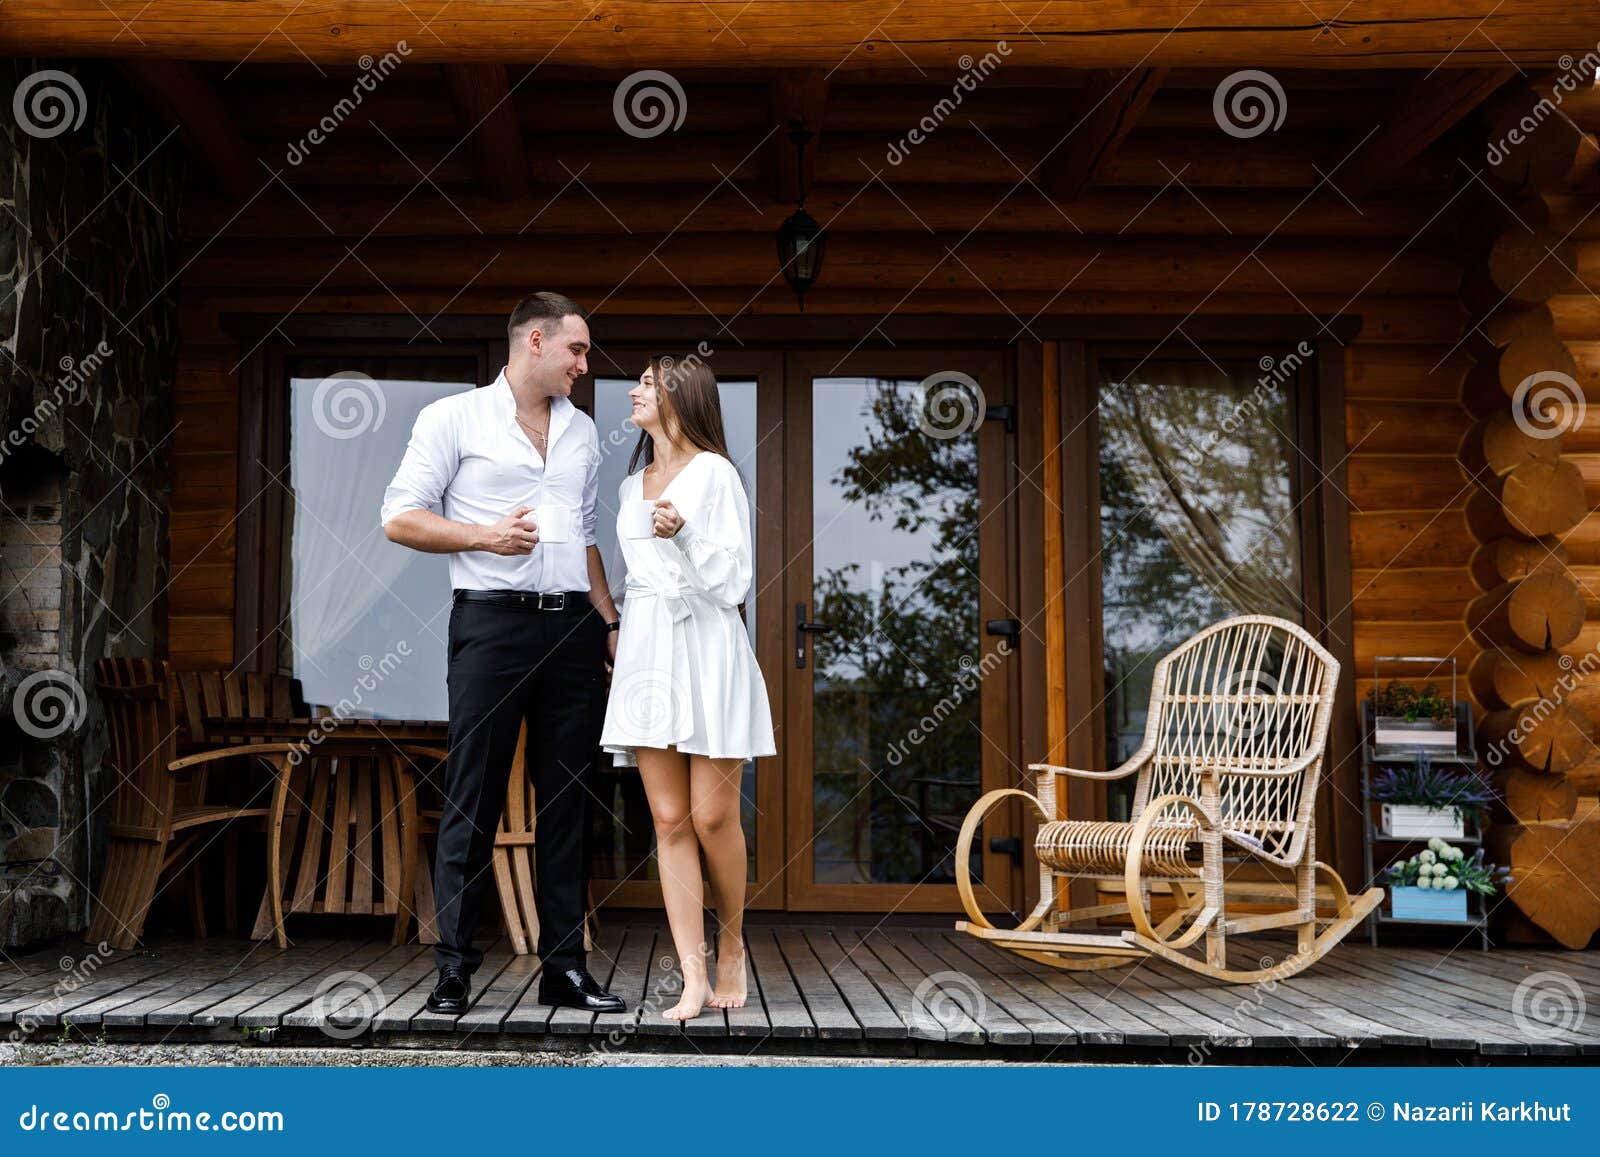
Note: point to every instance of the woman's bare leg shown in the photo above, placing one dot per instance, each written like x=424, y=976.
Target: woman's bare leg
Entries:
x=666, y=782
x=714, y=808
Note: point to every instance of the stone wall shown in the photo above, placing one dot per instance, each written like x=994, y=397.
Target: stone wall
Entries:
x=91, y=181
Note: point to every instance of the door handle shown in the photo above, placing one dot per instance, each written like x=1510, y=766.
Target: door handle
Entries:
x=802, y=628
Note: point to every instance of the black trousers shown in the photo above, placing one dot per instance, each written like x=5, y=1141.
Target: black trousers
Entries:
x=507, y=665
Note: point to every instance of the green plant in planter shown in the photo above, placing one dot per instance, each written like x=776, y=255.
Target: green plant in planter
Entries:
x=1425, y=785
x=1446, y=867
x=1403, y=701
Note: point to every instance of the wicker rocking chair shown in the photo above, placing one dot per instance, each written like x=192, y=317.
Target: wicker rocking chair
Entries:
x=1228, y=771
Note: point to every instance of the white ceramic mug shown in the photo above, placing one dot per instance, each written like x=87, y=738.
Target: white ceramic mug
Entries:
x=637, y=519
x=554, y=521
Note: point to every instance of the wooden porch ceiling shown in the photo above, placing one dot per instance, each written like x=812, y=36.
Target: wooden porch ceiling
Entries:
x=849, y=35
x=515, y=135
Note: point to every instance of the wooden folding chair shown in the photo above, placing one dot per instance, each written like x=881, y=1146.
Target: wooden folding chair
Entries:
x=152, y=823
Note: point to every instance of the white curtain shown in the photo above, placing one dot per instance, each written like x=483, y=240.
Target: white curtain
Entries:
x=1207, y=457
x=360, y=604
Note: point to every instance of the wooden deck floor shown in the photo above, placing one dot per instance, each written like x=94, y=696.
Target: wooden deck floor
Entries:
x=889, y=992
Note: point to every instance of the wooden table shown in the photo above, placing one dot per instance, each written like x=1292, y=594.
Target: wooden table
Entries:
x=394, y=730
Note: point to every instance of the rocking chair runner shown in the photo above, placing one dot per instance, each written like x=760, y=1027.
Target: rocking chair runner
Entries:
x=1232, y=754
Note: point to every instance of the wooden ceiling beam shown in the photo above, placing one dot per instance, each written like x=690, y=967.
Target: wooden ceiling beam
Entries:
x=797, y=96
x=1422, y=114
x=1111, y=104
x=182, y=94
x=854, y=36
x=486, y=113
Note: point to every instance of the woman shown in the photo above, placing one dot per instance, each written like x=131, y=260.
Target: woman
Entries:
x=687, y=699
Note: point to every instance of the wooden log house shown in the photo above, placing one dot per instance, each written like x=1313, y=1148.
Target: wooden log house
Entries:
x=1353, y=238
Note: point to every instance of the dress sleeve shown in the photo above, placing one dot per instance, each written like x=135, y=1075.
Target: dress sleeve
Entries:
x=715, y=548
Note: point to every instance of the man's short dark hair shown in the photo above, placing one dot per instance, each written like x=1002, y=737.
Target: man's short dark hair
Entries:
x=545, y=310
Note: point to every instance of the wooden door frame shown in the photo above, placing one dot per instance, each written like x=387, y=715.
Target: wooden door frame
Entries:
x=997, y=484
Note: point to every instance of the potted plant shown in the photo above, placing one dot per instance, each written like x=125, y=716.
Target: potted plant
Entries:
x=1420, y=800
x=1433, y=884
x=1409, y=717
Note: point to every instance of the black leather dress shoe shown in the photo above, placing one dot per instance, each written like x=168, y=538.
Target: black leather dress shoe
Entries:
x=450, y=995
x=575, y=988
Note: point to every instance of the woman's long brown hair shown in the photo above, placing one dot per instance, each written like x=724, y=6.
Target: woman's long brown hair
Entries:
x=690, y=408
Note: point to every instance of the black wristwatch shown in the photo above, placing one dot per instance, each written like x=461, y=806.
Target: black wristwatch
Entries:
x=614, y=625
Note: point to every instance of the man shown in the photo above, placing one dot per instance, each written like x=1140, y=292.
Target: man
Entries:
x=516, y=468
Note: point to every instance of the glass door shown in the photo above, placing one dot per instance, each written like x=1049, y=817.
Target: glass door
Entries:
x=896, y=717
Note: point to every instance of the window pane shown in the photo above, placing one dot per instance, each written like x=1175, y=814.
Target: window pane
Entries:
x=623, y=834
x=367, y=617
x=1199, y=519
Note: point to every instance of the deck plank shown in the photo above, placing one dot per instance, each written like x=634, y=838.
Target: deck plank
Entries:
x=191, y=1007
x=877, y=1017
x=51, y=1007
x=188, y=981
x=360, y=1000
x=269, y=1013
x=628, y=982
x=1042, y=1026
x=786, y=1011
x=938, y=1002
x=828, y=1007
x=274, y=981
x=751, y=1020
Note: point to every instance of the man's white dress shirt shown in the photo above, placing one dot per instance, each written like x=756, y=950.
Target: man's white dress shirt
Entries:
x=468, y=452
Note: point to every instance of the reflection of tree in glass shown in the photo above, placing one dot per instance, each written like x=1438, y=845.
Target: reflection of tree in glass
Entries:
x=895, y=652
x=1197, y=500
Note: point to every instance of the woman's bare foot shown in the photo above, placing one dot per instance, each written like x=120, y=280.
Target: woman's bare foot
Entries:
x=693, y=1000
x=731, y=987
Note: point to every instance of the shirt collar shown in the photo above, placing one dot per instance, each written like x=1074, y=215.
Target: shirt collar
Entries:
x=561, y=408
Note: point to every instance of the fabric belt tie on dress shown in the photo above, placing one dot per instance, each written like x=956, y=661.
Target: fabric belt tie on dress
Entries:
x=666, y=610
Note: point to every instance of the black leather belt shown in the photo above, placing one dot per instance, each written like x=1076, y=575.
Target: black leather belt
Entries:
x=558, y=601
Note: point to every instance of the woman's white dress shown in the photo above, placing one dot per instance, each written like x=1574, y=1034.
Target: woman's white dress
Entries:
x=685, y=676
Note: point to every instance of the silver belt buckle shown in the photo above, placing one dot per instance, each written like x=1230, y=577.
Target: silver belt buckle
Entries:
x=558, y=601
